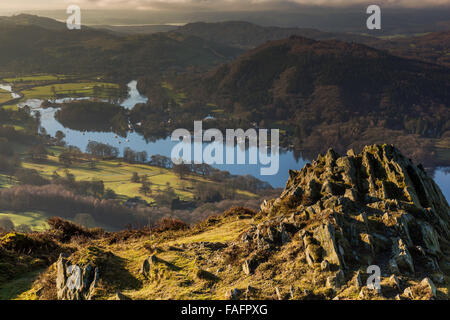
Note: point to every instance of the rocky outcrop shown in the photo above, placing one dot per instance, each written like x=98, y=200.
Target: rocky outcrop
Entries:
x=353, y=211
x=74, y=282
x=147, y=265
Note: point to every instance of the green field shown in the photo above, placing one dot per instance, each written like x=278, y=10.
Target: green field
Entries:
x=116, y=175
x=10, y=107
x=35, y=220
x=5, y=96
x=85, y=89
x=36, y=78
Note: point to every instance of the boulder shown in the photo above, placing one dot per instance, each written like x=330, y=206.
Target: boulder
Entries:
x=74, y=282
x=147, y=264
x=325, y=234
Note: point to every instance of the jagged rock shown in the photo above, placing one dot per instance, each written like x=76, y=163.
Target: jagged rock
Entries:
x=429, y=286
x=246, y=267
x=285, y=236
x=324, y=266
x=347, y=213
x=438, y=278
x=358, y=281
x=336, y=281
x=367, y=242
x=408, y=293
x=351, y=194
x=325, y=234
x=430, y=238
x=147, y=264
x=402, y=256
x=393, y=266
x=393, y=280
x=74, y=282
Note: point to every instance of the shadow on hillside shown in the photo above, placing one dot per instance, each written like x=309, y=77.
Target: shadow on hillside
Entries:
x=115, y=274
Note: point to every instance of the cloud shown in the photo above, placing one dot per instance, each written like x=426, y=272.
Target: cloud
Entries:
x=249, y=4
x=192, y=5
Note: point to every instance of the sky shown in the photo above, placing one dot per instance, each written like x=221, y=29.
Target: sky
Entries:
x=18, y=5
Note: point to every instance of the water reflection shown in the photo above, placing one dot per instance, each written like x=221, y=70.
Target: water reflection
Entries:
x=288, y=160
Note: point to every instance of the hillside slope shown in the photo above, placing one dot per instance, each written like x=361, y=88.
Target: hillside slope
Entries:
x=247, y=35
x=31, y=44
x=432, y=47
x=332, y=94
x=336, y=217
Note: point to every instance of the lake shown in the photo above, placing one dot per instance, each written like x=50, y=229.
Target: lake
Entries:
x=164, y=146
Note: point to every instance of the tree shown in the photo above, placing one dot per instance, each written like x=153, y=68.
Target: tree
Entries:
x=142, y=156
x=53, y=89
x=109, y=194
x=145, y=188
x=181, y=169
x=38, y=153
x=97, y=188
x=102, y=150
x=135, y=178
x=66, y=159
x=60, y=136
x=165, y=198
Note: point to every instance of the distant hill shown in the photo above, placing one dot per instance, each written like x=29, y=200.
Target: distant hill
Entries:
x=332, y=93
x=32, y=20
x=35, y=44
x=136, y=29
x=248, y=35
x=432, y=47
x=299, y=66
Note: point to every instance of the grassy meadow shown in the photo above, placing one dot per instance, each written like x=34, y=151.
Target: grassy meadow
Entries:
x=5, y=96
x=37, y=221
x=86, y=89
x=117, y=174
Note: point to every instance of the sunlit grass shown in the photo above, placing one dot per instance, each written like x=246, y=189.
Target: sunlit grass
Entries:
x=81, y=89
x=17, y=289
x=37, y=77
x=5, y=96
x=37, y=221
x=10, y=107
x=116, y=175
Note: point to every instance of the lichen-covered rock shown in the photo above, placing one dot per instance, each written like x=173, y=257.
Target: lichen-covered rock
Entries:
x=336, y=280
x=349, y=212
x=74, y=282
x=325, y=234
x=401, y=256
x=147, y=264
